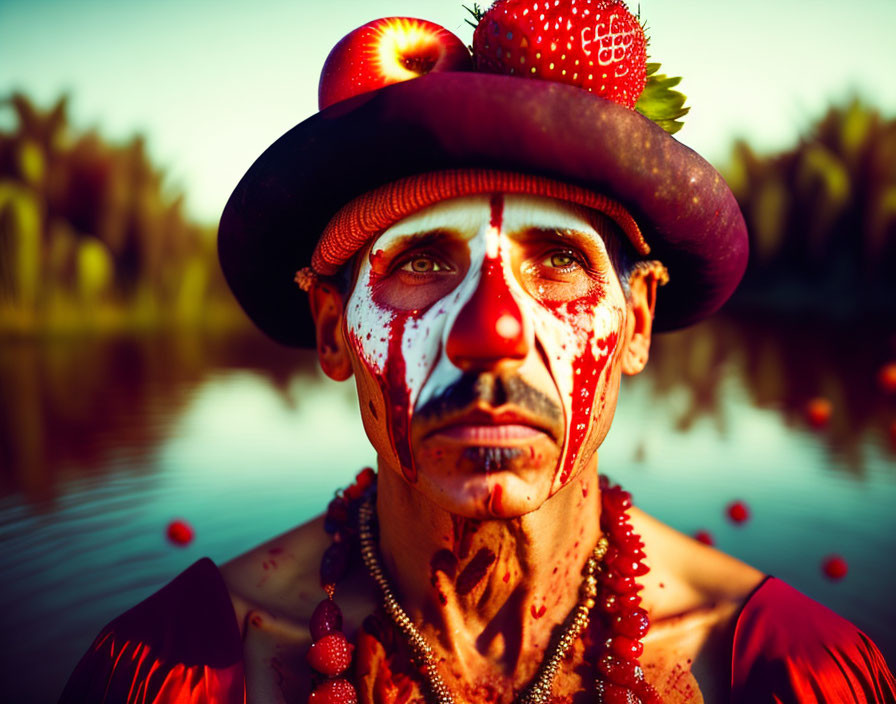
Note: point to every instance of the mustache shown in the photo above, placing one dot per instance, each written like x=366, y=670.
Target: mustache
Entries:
x=493, y=390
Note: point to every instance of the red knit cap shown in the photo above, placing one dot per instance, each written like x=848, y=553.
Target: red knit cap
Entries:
x=372, y=213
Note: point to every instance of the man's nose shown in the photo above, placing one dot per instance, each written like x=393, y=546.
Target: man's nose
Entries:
x=489, y=328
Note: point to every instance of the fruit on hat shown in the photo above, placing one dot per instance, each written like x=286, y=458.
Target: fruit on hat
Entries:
x=386, y=51
x=597, y=45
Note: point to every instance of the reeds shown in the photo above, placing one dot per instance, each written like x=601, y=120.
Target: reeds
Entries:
x=90, y=238
x=822, y=217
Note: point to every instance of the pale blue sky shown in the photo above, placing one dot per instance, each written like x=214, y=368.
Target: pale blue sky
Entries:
x=212, y=83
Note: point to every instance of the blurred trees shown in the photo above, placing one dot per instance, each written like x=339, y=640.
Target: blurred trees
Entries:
x=822, y=217
x=89, y=237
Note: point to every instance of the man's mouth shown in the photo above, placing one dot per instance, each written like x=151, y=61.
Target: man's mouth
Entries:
x=492, y=429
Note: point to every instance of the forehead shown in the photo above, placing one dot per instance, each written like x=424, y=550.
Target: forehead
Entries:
x=468, y=215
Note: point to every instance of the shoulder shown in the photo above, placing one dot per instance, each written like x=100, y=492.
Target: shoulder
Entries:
x=274, y=589
x=790, y=646
x=686, y=575
x=693, y=594
x=157, y=649
x=279, y=577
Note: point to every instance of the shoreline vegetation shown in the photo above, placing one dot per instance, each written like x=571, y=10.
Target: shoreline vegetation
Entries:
x=822, y=219
x=91, y=240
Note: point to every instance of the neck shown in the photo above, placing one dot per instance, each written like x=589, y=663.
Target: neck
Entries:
x=489, y=592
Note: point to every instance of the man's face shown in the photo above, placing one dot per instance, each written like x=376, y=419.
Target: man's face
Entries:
x=484, y=334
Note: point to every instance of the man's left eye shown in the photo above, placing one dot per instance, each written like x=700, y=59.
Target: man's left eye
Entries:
x=561, y=260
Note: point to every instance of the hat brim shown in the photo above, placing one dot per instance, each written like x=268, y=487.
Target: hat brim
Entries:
x=273, y=219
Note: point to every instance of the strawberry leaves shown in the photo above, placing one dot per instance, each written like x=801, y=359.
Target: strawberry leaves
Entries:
x=659, y=102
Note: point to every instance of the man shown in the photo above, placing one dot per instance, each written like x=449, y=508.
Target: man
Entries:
x=484, y=254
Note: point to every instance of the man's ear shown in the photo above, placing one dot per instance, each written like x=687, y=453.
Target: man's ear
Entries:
x=326, y=309
x=643, y=283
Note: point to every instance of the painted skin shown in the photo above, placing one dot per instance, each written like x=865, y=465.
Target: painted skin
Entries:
x=483, y=328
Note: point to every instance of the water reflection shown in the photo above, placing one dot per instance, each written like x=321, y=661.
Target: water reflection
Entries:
x=68, y=405
x=782, y=364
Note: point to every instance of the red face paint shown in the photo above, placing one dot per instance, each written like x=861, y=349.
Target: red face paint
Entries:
x=587, y=368
x=395, y=392
x=495, y=504
x=490, y=325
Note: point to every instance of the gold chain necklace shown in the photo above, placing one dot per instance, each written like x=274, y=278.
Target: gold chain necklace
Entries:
x=539, y=689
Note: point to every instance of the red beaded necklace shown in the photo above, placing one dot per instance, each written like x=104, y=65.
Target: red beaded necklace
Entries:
x=616, y=606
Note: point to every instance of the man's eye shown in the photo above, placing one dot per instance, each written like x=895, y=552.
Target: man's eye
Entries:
x=423, y=264
x=561, y=260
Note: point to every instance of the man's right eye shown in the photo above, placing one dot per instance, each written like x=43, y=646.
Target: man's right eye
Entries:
x=423, y=264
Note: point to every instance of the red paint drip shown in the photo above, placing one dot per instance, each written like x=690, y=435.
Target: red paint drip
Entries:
x=496, y=205
x=397, y=395
x=495, y=500
x=537, y=613
x=507, y=576
x=586, y=369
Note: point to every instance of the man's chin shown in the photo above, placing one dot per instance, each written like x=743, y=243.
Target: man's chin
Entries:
x=484, y=482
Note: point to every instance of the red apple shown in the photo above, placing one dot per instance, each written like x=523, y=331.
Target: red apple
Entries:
x=386, y=51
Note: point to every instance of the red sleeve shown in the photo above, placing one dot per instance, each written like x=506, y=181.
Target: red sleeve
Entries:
x=789, y=649
x=180, y=645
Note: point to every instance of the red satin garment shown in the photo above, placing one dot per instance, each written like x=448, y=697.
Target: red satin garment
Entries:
x=182, y=645
x=789, y=649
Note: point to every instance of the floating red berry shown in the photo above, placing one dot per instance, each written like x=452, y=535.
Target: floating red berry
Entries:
x=705, y=537
x=818, y=412
x=180, y=532
x=597, y=45
x=331, y=655
x=338, y=691
x=834, y=567
x=886, y=377
x=738, y=512
x=326, y=619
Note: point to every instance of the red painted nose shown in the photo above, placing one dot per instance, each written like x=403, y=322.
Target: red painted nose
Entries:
x=489, y=328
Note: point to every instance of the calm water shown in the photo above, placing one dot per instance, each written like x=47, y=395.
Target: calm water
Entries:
x=103, y=442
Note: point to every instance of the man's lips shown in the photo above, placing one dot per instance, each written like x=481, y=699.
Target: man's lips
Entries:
x=485, y=428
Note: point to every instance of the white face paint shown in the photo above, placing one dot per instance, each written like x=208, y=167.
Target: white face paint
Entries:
x=409, y=351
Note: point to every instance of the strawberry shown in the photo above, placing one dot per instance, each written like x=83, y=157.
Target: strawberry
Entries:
x=331, y=655
x=334, y=692
x=597, y=45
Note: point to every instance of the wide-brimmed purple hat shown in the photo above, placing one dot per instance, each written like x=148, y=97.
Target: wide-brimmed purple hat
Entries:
x=457, y=120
